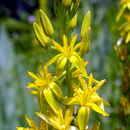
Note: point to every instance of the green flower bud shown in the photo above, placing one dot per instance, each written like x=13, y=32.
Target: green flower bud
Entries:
x=73, y=21
x=85, y=47
x=85, y=24
x=83, y=116
x=66, y=3
x=47, y=26
x=41, y=37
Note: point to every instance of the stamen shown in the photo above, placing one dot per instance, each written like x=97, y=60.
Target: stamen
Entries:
x=28, y=92
x=77, y=34
x=50, y=73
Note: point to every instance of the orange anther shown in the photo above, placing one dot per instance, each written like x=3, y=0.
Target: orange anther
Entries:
x=28, y=92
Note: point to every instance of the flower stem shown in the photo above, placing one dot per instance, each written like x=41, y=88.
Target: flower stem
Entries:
x=68, y=80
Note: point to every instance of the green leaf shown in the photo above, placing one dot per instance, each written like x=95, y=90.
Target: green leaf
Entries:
x=83, y=116
x=51, y=100
x=85, y=24
x=47, y=26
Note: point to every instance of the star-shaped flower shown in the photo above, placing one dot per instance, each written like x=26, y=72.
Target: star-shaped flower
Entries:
x=44, y=85
x=60, y=121
x=86, y=98
x=68, y=53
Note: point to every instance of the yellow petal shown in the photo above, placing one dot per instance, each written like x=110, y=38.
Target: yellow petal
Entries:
x=65, y=42
x=31, y=123
x=61, y=62
x=83, y=117
x=51, y=100
x=98, y=109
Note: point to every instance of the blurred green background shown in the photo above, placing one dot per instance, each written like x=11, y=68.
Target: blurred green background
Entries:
x=20, y=52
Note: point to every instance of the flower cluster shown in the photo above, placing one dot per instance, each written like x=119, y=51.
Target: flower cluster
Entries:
x=70, y=67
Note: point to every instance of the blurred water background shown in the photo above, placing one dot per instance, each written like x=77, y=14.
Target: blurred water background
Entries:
x=20, y=52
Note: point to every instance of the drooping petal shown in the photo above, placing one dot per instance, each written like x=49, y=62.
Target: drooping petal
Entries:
x=56, y=89
x=61, y=62
x=51, y=100
x=83, y=116
x=76, y=60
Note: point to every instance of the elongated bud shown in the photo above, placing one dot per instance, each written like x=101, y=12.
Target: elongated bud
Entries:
x=73, y=21
x=85, y=24
x=41, y=37
x=83, y=116
x=66, y=3
x=47, y=26
x=85, y=47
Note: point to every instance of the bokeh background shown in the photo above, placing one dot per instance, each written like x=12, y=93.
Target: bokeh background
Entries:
x=20, y=52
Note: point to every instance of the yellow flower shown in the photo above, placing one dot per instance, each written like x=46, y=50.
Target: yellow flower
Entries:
x=68, y=53
x=86, y=98
x=60, y=121
x=44, y=85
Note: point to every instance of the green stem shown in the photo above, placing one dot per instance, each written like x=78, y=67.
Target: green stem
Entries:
x=68, y=80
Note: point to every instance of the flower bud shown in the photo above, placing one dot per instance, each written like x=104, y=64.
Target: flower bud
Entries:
x=66, y=3
x=85, y=24
x=83, y=116
x=85, y=47
x=73, y=21
x=41, y=37
x=47, y=26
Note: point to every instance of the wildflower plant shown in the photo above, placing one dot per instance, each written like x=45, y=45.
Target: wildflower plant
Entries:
x=122, y=49
x=71, y=111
